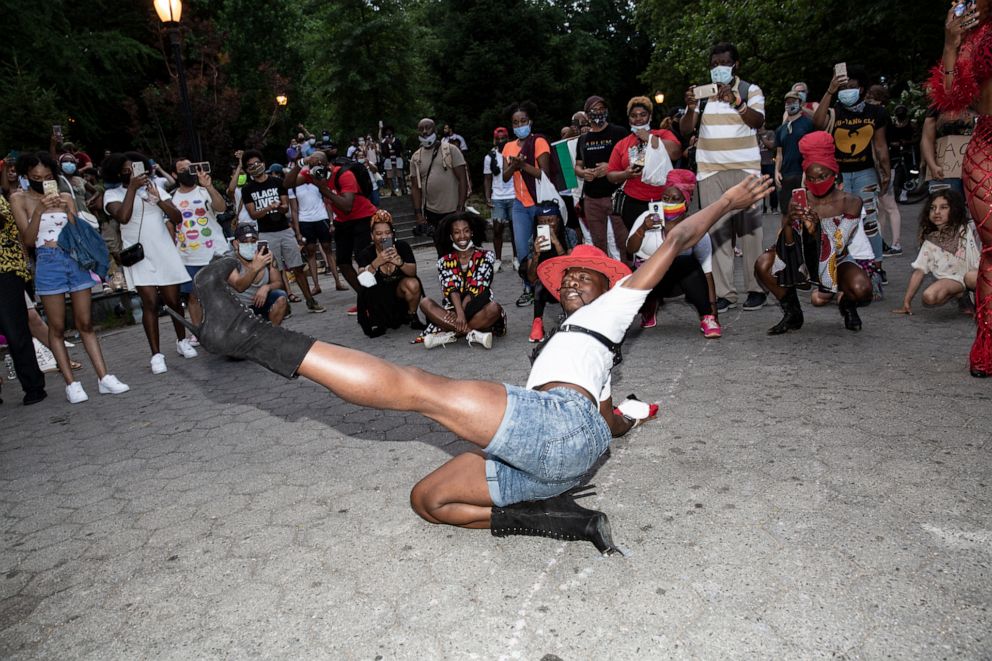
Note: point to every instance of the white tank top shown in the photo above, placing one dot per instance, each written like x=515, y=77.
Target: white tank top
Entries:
x=50, y=227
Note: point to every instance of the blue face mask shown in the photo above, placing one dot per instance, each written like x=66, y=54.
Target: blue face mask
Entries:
x=247, y=250
x=802, y=96
x=722, y=75
x=521, y=131
x=69, y=168
x=849, y=97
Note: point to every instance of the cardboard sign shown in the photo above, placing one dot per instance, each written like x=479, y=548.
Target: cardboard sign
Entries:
x=950, y=151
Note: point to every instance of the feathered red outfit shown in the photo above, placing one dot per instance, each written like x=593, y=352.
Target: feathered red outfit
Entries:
x=973, y=70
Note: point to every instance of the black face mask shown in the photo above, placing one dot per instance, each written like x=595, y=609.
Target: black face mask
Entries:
x=186, y=178
x=37, y=186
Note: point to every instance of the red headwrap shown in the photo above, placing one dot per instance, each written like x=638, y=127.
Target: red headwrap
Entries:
x=684, y=180
x=818, y=148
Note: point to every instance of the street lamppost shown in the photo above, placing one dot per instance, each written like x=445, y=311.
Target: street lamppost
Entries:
x=659, y=98
x=281, y=101
x=169, y=12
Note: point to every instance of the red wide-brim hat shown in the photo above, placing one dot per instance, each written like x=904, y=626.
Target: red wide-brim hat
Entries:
x=583, y=257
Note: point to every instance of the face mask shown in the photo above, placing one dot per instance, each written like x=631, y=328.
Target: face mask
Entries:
x=598, y=118
x=256, y=169
x=242, y=179
x=428, y=140
x=849, y=97
x=186, y=178
x=673, y=210
x=722, y=74
x=464, y=245
x=312, y=141
x=802, y=96
x=634, y=128
x=37, y=186
x=793, y=108
x=69, y=168
x=126, y=179
x=821, y=188
x=247, y=250
x=522, y=131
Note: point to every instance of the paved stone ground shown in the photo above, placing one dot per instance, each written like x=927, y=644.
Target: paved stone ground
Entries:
x=820, y=494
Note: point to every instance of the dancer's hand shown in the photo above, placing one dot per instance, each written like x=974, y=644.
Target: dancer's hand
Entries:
x=749, y=191
x=905, y=309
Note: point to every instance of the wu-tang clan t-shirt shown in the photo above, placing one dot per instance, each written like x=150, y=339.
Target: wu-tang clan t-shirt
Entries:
x=853, y=133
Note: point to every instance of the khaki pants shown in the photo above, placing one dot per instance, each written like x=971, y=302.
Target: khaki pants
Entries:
x=744, y=225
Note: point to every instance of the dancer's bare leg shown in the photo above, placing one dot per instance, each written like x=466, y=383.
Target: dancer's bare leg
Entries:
x=472, y=410
x=457, y=493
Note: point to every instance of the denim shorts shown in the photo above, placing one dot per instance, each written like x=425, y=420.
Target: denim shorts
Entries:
x=270, y=300
x=502, y=211
x=546, y=443
x=57, y=273
x=187, y=287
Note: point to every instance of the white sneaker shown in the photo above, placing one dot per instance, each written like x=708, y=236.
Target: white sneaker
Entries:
x=185, y=349
x=158, y=364
x=193, y=342
x=485, y=339
x=497, y=266
x=433, y=340
x=516, y=264
x=111, y=385
x=75, y=394
x=45, y=358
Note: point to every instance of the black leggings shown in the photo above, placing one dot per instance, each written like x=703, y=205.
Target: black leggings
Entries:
x=541, y=298
x=687, y=275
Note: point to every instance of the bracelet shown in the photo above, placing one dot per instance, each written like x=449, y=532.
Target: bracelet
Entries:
x=742, y=108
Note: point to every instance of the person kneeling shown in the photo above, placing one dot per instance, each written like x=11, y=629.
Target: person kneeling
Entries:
x=466, y=274
x=949, y=250
x=390, y=289
x=256, y=280
x=822, y=242
x=692, y=271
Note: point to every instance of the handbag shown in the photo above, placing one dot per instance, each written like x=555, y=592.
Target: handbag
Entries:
x=618, y=198
x=134, y=254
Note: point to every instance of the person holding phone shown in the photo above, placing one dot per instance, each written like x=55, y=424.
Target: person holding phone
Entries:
x=465, y=271
x=148, y=217
x=962, y=79
x=692, y=271
x=822, y=242
x=256, y=281
x=390, y=291
x=551, y=239
x=40, y=214
x=592, y=165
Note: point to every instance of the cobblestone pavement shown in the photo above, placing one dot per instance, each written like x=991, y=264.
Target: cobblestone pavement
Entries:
x=820, y=494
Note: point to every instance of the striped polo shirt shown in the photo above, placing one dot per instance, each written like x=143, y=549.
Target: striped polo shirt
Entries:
x=725, y=141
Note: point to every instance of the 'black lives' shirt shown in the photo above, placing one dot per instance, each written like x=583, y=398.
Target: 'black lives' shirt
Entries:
x=262, y=194
x=853, y=133
x=594, y=148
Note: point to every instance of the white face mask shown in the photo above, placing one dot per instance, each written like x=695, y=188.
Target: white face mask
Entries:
x=312, y=141
x=722, y=74
x=639, y=127
x=428, y=140
x=464, y=245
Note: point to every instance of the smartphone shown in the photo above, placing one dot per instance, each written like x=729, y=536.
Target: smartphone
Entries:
x=196, y=168
x=962, y=7
x=57, y=131
x=800, y=199
x=387, y=242
x=840, y=70
x=263, y=245
x=137, y=169
x=704, y=91
x=544, y=232
x=51, y=187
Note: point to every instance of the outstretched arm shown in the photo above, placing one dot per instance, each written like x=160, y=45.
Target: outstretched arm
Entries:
x=692, y=229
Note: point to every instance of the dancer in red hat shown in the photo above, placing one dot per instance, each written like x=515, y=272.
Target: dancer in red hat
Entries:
x=535, y=443
x=962, y=80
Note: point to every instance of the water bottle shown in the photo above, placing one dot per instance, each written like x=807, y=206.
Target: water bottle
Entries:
x=9, y=364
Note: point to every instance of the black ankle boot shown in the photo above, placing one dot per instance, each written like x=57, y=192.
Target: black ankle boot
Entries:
x=559, y=518
x=852, y=321
x=792, y=318
x=232, y=329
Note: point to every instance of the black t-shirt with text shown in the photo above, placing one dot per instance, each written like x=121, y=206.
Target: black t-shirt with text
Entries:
x=853, y=134
x=594, y=148
x=261, y=194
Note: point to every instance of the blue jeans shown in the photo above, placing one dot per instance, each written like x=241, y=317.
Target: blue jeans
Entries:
x=270, y=300
x=524, y=219
x=855, y=183
x=545, y=444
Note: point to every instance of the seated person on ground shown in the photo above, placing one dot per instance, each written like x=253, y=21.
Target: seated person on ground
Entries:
x=465, y=271
x=561, y=242
x=256, y=281
x=390, y=290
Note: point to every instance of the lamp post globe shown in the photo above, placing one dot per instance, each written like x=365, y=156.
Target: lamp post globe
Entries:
x=169, y=11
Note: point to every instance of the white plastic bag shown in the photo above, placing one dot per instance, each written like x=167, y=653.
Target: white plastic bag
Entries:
x=657, y=163
x=546, y=191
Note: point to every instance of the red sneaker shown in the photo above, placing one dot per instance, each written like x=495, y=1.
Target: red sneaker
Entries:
x=649, y=322
x=352, y=311
x=537, y=330
x=710, y=327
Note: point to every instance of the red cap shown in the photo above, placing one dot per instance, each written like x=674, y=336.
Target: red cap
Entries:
x=500, y=132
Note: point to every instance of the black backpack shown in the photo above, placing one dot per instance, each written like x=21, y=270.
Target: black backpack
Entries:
x=361, y=173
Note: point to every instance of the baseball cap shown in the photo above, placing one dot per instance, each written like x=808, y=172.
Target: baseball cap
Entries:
x=792, y=94
x=275, y=168
x=500, y=132
x=246, y=231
